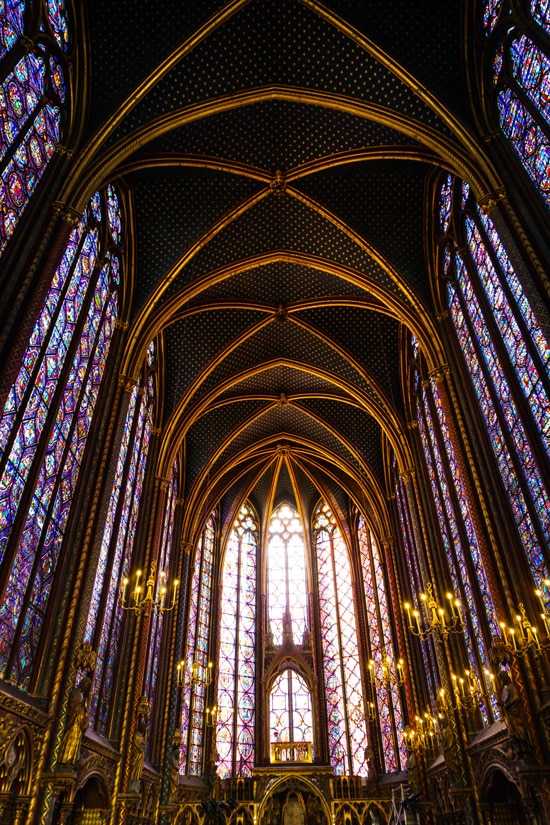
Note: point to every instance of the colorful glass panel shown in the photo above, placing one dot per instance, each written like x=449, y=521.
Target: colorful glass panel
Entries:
x=163, y=566
x=511, y=421
x=290, y=709
x=237, y=673
x=491, y=13
x=527, y=138
x=540, y=9
x=347, y=731
x=382, y=651
x=11, y=24
x=58, y=19
x=75, y=292
x=287, y=594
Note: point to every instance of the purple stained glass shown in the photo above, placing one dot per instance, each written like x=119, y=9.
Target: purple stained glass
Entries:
x=521, y=359
x=540, y=9
x=381, y=649
x=21, y=175
x=347, y=728
x=286, y=594
x=11, y=24
x=42, y=384
x=157, y=620
x=527, y=138
x=490, y=14
x=236, y=662
x=531, y=69
x=58, y=19
x=20, y=94
x=445, y=203
x=113, y=210
x=485, y=348
x=448, y=525
x=128, y=501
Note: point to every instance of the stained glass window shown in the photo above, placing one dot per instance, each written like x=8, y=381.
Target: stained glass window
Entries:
x=105, y=615
x=44, y=427
x=237, y=672
x=384, y=668
x=521, y=78
x=444, y=494
x=163, y=566
x=287, y=594
x=290, y=712
x=198, y=665
x=347, y=727
x=507, y=354
x=33, y=97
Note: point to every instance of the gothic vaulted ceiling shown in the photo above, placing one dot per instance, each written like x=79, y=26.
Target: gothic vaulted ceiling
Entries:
x=277, y=155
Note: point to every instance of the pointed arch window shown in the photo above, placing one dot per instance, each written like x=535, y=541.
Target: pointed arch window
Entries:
x=287, y=594
x=520, y=50
x=45, y=424
x=33, y=97
x=290, y=709
x=465, y=567
x=104, y=623
x=507, y=355
x=385, y=674
x=237, y=662
x=197, y=654
x=163, y=564
x=347, y=727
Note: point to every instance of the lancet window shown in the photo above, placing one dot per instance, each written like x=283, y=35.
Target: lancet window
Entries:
x=237, y=657
x=347, y=723
x=45, y=424
x=520, y=73
x=385, y=671
x=197, y=662
x=506, y=352
x=163, y=566
x=34, y=92
x=105, y=615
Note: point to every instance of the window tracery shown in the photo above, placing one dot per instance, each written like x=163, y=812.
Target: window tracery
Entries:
x=521, y=80
x=104, y=623
x=237, y=658
x=33, y=99
x=347, y=727
x=44, y=427
x=507, y=355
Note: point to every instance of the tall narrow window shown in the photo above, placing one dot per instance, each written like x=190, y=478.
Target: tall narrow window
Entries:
x=507, y=354
x=33, y=99
x=163, y=566
x=198, y=665
x=347, y=728
x=237, y=671
x=45, y=424
x=456, y=533
x=384, y=666
x=287, y=594
x=104, y=622
x=521, y=73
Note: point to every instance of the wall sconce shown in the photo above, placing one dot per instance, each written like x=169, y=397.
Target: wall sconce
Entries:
x=201, y=675
x=154, y=597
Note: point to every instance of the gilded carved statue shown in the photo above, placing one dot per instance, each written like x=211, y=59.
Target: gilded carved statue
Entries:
x=77, y=722
x=137, y=757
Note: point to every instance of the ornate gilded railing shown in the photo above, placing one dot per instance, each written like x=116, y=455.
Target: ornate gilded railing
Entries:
x=291, y=752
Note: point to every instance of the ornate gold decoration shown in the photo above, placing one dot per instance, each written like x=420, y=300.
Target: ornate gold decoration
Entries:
x=278, y=184
x=152, y=601
x=488, y=202
x=86, y=657
x=64, y=151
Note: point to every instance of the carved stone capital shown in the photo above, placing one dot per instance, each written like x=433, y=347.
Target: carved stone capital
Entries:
x=126, y=383
x=491, y=200
x=439, y=374
x=407, y=475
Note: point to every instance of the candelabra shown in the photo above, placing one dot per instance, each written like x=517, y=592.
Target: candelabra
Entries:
x=389, y=676
x=211, y=716
x=154, y=597
x=435, y=618
x=422, y=735
x=201, y=674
